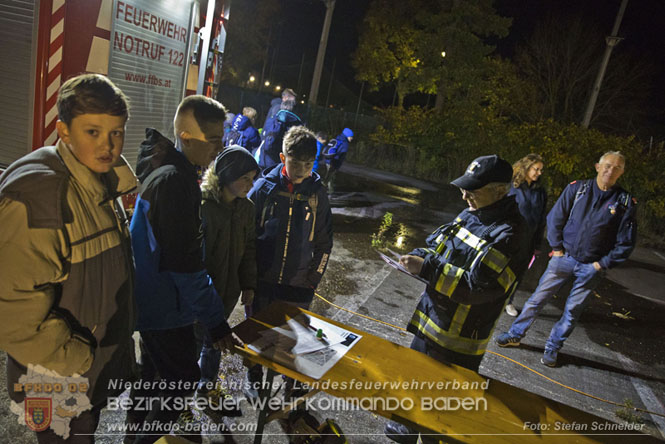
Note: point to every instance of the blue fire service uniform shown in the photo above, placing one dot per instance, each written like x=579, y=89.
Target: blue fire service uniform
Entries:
x=593, y=225
x=472, y=265
x=589, y=225
x=294, y=237
x=532, y=202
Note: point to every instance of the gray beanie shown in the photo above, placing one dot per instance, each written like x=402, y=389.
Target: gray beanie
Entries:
x=234, y=162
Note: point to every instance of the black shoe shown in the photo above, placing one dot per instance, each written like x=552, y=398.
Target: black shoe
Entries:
x=400, y=433
x=253, y=382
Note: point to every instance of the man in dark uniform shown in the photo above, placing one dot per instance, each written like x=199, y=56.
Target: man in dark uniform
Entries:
x=591, y=228
x=472, y=265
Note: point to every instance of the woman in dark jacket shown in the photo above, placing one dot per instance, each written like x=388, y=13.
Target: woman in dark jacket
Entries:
x=531, y=199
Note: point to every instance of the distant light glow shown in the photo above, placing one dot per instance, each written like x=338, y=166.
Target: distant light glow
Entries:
x=443, y=53
x=252, y=78
x=400, y=242
x=267, y=83
x=277, y=88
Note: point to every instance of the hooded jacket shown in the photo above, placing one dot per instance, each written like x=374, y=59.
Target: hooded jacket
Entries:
x=294, y=229
x=66, y=299
x=275, y=106
x=336, y=155
x=230, y=240
x=273, y=137
x=243, y=133
x=173, y=288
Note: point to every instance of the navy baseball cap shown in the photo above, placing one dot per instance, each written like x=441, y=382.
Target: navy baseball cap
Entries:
x=484, y=170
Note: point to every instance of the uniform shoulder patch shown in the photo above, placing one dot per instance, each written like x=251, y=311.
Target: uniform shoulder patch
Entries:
x=634, y=200
x=574, y=181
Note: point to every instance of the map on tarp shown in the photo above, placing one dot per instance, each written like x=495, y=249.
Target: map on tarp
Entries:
x=306, y=344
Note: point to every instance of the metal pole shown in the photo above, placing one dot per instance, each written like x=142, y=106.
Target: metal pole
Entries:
x=206, y=32
x=332, y=76
x=221, y=44
x=193, y=16
x=302, y=63
x=275, y=53
x=265, y=59
x=611, y=42
x=360, y=97
x=316, y=79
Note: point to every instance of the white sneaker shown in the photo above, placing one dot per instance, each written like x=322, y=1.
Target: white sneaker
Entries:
x=511, y=310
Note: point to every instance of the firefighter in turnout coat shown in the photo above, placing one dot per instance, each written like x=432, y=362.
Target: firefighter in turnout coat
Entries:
x=471, y=264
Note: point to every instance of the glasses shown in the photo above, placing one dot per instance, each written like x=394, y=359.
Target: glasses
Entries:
x=472, y=193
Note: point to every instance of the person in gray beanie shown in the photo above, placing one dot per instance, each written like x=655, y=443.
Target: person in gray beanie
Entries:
x=230, y=239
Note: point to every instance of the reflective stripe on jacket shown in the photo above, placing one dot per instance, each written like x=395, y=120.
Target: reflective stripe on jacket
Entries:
x=472, y=266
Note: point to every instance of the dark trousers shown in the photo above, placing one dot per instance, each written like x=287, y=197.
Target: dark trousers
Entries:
x=209, y=358
x=472, y=362
x=266, y=293
x=170, y=355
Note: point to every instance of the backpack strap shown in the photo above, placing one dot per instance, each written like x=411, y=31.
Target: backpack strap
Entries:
x=580, y=192
x=283, y=113
x=624, y=199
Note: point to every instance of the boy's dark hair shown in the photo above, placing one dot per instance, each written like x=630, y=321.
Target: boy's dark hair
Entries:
x=299, y=142
x=90, y=94
x=204, y=109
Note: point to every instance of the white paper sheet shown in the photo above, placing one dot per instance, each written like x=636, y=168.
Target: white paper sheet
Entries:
x=296, y=345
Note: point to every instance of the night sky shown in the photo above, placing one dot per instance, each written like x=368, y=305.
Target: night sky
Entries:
x=642, y=27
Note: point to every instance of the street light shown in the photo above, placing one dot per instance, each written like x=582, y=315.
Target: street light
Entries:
x=443, y=53
x=267, y=83
x=277, y=88
x=252, y=79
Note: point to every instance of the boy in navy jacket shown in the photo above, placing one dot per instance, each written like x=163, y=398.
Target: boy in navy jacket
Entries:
x=293, y=227
x=293, y=224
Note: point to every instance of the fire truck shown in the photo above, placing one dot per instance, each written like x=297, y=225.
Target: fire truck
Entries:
x=151, y=49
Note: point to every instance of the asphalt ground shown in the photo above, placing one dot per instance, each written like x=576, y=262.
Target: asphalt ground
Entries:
x=617, y=358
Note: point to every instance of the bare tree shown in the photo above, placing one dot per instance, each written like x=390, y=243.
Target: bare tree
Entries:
x=561, y=58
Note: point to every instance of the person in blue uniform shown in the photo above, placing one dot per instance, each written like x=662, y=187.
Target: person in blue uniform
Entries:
x=472, y=265
x=531, y=199
x=336, y=155
x=591, y=228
